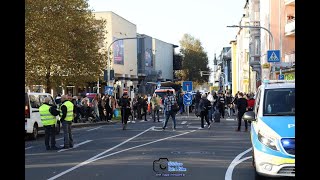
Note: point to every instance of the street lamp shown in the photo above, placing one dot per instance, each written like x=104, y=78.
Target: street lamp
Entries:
x=259, y=27
x=108, y=66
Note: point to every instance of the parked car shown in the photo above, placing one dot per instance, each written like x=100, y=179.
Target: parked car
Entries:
x=273, y=129
x=33, y=124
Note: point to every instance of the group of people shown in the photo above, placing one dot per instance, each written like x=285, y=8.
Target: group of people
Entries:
x=209, y=105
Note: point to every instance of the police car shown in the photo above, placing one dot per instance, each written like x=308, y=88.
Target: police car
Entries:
x=273, y=129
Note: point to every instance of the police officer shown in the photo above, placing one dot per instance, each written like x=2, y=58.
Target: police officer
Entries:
x=48, y=113
x=66, y=113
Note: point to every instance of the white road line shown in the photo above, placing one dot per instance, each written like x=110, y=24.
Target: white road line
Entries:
x=59, y=139
x=235, y=162
x=183, y=122
x=229, y=119
x=94, y=128
x=28, y=147
x=75, y=146
x=94, y=157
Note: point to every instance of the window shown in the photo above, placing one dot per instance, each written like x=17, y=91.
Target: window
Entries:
x=279, y=102
x=257, y=101
x=34, y=101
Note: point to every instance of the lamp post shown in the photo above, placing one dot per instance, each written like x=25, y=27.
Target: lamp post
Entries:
x=108, y=65
x=260, y=27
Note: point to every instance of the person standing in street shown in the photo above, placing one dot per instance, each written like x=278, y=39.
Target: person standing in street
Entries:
x=155, y=101
x=125, y=108
x=242, y=107
x=169, y=101
x=66, y=113
x=48, y=113
x=210, y=110
x=204, y=107
x=197, y=101
x=221, y=104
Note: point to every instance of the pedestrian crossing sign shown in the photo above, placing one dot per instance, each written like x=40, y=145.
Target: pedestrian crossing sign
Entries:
x=273, y=55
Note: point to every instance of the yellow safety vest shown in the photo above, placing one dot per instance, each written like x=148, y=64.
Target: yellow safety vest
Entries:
x=69, y=105
x=46, y=117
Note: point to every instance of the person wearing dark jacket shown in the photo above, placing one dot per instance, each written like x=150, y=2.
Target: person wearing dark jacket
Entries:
x=66, y=118
x=204, y=106
x=125, y=107
x=197, y=101
x=221, y=104
x=48, y=113
x=242, y=107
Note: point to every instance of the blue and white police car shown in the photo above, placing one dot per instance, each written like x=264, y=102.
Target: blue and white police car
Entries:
x=273, y=129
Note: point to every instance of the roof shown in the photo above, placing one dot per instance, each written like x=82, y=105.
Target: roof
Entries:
x=279, y=85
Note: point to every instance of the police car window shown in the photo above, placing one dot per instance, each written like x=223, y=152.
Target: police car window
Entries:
x=279, y=102
x=34, y=101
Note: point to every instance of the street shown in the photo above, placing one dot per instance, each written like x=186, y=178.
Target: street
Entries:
x=108, y=152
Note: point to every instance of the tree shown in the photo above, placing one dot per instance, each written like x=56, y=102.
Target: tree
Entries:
x=195, y=59
x=62, y=43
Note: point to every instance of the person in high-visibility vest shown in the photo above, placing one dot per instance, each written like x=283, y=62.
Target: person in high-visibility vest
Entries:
x=48, y=113
x=66, y=113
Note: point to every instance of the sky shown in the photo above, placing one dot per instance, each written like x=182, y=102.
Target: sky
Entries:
x=168, y=20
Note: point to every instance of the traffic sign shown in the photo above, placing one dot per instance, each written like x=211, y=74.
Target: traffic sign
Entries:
x=187, y=99
x=187, y=86
x=281, y=77
x=273, y=55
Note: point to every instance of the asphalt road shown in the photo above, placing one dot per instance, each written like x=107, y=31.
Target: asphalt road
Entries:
x=108, y=152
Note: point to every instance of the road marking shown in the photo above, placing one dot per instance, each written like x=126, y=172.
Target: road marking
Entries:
x=76, y=145
x=59, y=139
x=28, y=147
x=94, y=157
x=229, y=119
x=183, y=122
x=141, y=145
x=94, y=128
x=235, y=162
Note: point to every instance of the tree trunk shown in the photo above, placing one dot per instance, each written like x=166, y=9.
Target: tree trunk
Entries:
x=48, y=83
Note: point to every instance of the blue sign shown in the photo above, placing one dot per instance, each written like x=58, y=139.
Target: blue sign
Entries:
x=108, y=90
x=273, y=55
x=187, y=86
x=187, y=99
x=281, y=77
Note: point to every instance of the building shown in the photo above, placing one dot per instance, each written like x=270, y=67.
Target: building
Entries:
x=234, y=67
x=124, y=52
x=279, y=18
x=254, y=45
x=243, y=68
x=222, y=71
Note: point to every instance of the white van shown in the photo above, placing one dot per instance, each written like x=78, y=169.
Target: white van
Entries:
x=32, y=121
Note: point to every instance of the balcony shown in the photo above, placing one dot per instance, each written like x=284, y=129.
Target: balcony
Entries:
x=290, y=27
x=289, y=2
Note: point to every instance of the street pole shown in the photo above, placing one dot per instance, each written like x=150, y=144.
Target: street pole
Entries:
x=188, y=105
x=260, y=27
x=108, y=51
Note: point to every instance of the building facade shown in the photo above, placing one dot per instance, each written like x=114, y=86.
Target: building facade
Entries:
x=242, y=51
x=234, y=67
x=279, y=18
x=124, y=52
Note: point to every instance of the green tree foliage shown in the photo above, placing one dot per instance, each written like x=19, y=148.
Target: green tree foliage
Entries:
x=62, y=43
x=195, y=59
